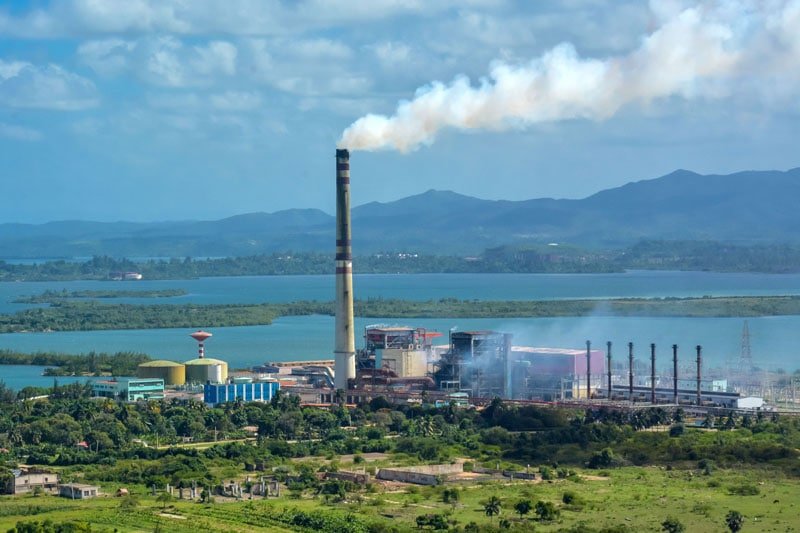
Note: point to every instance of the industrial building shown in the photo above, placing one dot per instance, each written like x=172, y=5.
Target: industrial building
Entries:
x=396, y=351
x=129, y=389
x=243, y=389
x=732, y=400
x=477, y=363
x=554, y=373
x=173, y=374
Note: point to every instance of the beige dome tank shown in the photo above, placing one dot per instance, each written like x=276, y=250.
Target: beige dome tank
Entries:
x=171, y=372
x=206, y=369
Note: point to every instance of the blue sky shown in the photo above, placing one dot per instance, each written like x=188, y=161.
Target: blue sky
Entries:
x=173, y=109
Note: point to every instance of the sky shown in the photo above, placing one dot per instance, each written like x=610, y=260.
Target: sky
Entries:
x=145, y=110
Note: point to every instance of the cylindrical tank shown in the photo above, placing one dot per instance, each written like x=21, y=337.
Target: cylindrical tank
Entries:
x=206, y=369
x=171, y=372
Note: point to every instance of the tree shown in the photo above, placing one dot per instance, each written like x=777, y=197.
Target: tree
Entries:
x=672, y=525
x=546, y=511
x=164, y=498
x=492, y=507
x=734, y=520
x=451, y=496
x=523, y=507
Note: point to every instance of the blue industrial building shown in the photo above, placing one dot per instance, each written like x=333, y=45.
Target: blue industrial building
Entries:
x=254, y=391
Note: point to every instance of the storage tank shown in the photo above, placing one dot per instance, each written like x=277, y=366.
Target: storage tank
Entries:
x=206, y=369
x=171, y=372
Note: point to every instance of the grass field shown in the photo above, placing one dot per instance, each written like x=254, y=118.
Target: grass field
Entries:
x=637, y=497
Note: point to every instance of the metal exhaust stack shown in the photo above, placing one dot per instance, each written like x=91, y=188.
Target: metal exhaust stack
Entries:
x=588, y=370
x=699, y=366
x=630, y=371
x=675, y=373
x=608, y=356
x=345, y=346
x=652, y=372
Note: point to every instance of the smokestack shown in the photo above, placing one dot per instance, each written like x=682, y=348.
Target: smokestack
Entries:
x=652, y=372
x=675, y=373
x=588, y=370
x=630, y=371
x=608, y=367
x=699, y=366
x=345, y=347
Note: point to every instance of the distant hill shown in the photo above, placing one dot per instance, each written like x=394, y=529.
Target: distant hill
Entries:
x=746, y=207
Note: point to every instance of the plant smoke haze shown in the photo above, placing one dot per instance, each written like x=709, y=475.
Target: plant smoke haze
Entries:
x=708, y=50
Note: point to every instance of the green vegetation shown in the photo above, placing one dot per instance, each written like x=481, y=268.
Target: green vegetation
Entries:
x=64, y=315
x=117, y=364
x=643, y=474
x=658, y=255
x=50, y=296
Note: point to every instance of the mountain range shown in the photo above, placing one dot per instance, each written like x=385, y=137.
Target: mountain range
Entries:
x=745, y=207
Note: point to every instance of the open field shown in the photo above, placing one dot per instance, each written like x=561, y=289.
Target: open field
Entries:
x=637, y=498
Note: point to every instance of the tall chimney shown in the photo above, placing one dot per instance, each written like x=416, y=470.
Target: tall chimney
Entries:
x=588, y=370
x=630, y=371
x=345, y=347
x=675, y=373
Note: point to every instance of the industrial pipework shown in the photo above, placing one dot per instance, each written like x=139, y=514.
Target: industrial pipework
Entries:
x=345, y=344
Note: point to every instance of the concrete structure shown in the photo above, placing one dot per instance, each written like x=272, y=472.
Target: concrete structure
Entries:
x=78, y=491
x=420, y=475
x=26, y=480
x=205, y=369
x=345, y=344
x=258, y=391
x=173, y=374
x=129, y=389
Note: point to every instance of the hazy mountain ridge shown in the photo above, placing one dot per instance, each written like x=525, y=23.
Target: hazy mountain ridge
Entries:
x=748, y=207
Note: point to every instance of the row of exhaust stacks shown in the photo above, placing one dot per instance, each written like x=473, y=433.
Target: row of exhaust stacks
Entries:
x=699, y=361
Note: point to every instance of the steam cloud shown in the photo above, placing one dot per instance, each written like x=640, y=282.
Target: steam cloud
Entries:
x=711, y=50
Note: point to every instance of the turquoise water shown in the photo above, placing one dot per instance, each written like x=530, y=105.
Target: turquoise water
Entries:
x=255, y=289
x=774, y=341
x=19, y=376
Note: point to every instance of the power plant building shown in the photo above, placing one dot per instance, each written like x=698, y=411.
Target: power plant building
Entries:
x=247, y=391
x=476, y=363
x=173, y=374
x=554, y=373
x=397, y=351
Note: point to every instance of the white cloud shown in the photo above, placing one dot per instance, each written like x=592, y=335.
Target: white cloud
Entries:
x=391, y=53
x=165, y=61
x=19, y=133
x=236, y=101
x=23, y=85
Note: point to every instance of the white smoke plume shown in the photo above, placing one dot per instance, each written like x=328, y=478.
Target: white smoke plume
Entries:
x=707, y=50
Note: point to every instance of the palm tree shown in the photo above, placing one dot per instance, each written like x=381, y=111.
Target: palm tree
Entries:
x=492, y=507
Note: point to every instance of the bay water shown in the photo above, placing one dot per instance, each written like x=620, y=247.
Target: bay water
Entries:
x=774, y=339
